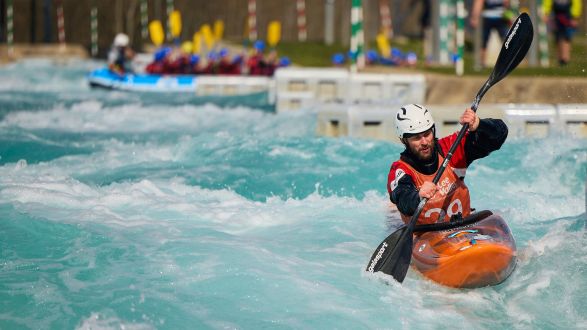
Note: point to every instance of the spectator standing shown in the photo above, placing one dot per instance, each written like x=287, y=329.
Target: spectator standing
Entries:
x=564, y=15
x=493, y=14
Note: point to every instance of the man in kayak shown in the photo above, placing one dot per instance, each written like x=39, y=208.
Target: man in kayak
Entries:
x=410, y=178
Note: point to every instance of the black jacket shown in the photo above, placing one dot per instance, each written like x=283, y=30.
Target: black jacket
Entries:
x=489, y=136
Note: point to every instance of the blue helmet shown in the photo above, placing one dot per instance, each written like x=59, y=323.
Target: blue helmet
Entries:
x=212, y=55
x=372, y=56
x=237, y=59
x=352, y=55
x=338, y=58
x=162, y=53
x=223, y=52
x=284, y=61
x=194, y=59
x=259, y=45
x=455, y=57
x=395, y=52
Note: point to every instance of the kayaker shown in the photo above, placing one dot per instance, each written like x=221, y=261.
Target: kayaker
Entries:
x=410, y=177
x=120, y=55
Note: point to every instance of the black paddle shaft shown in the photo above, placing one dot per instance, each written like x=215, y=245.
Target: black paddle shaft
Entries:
x=509, y=57
x=394, y=254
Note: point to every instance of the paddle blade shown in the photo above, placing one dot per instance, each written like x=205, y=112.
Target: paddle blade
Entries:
x=393, y=255
x=207, y=35
x=156, y=33
x=175, y=23
x=383, y=251
x=197, y=43
x=514, y=49
x=398, y=262
x=273, y=33
x=383, y=45
x=218, y=29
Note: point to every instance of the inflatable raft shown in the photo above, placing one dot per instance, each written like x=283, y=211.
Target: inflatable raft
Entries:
x=198, y=84
x=479, y=251
x=105, y=78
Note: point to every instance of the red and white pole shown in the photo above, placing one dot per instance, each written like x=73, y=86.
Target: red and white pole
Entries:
x=252, y=20
x=60, y=24
x=301, y=10
x=385, y=14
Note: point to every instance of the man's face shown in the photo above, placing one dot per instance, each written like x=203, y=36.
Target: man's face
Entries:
x=422, y=144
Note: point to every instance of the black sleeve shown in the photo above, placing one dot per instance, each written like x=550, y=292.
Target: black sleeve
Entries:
x=489, y=136
x=405, y=196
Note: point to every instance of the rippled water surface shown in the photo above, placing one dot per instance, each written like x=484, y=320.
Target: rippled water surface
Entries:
x=135, y=211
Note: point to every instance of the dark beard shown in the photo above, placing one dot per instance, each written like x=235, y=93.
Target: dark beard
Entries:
x=422, y=158
x=424, y=166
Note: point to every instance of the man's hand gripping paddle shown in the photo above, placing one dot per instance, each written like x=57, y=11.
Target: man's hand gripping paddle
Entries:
x=394, y=254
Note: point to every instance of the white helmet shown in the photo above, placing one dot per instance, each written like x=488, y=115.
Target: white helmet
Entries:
x=412, y=119
x=121, y=40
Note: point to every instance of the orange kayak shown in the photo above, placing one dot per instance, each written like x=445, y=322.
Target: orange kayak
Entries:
x=470, y=256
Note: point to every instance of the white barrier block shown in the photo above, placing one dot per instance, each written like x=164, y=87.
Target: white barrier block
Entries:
x=231, y=85
x=404, y=88
x=377, y=121
x=367, y=87
x=335, y=84
x=324, y=84
x=531, y=120
x=446, y=117
x=573, y=119
x=291, y=101
x=333, y=120
x=387, y=88
x=372, y=122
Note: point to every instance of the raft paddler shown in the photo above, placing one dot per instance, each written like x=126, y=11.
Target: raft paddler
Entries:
x=410, y=177
x=120, y=55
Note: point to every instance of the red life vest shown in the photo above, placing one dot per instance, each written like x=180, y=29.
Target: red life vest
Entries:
x=451, y=198
x=454, y=195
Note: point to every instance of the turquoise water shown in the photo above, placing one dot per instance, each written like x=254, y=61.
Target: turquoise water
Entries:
x=133, y=211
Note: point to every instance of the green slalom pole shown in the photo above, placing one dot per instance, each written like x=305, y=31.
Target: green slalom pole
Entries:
x=460, y=38
x=10, y=26
x=144, y=9
x=542, y=37
x=94, y=31
x=443, y=31
x=169, y=11
x=357, y=36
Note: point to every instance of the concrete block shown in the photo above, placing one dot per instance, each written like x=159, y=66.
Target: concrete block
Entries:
x=531, y=120
x=573, y=119
x=333, y=121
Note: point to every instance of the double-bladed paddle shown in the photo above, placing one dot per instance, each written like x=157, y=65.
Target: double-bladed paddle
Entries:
x=394, y=254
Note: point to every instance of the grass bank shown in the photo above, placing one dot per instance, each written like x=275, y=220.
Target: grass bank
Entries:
x=319, y=55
